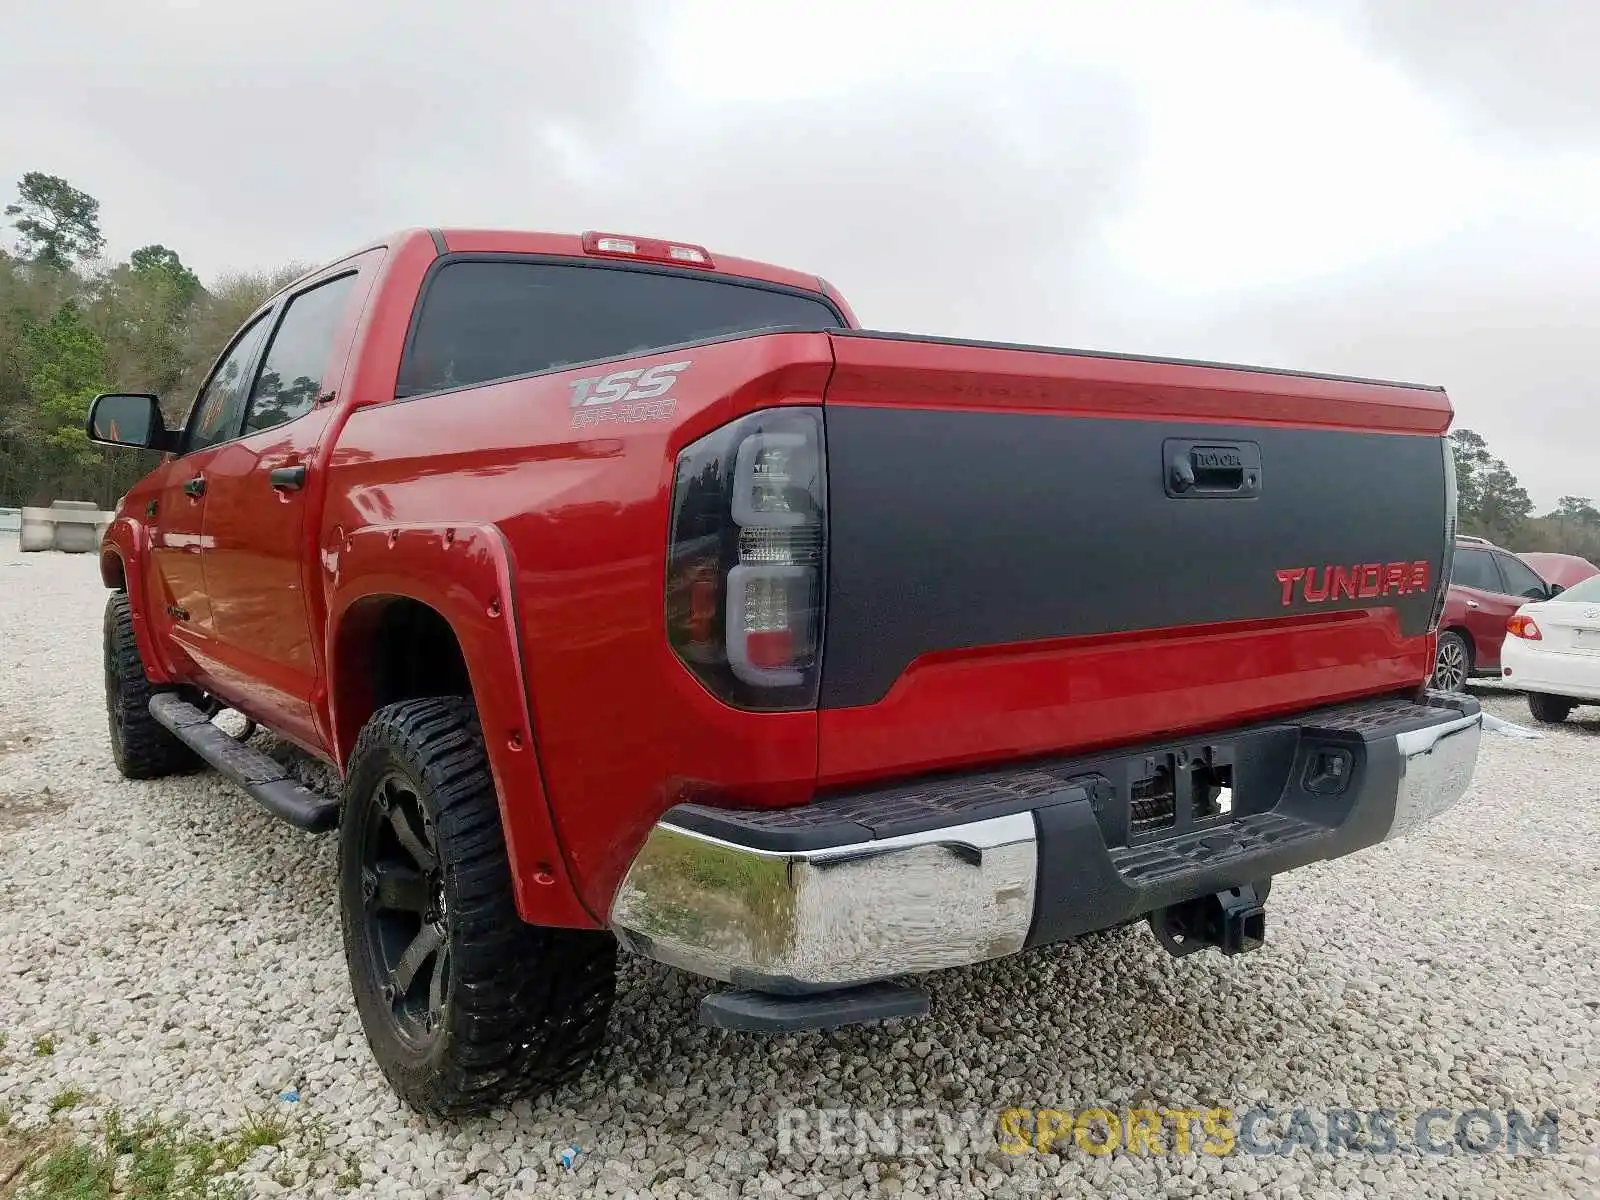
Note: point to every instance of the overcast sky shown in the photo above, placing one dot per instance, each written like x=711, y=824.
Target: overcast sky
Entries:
x=1403, y=188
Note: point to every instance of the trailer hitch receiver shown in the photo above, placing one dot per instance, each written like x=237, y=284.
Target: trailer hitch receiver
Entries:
x=1234, y=921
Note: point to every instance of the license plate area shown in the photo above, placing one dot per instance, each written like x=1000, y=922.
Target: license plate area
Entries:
x=1586, y=641
x=1181, y=789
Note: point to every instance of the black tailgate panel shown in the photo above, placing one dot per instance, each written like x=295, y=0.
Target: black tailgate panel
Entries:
x=957, y=529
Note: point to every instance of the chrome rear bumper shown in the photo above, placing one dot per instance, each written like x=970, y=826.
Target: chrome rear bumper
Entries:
x=1436, y=765
x=834, y=916
x=747, y=899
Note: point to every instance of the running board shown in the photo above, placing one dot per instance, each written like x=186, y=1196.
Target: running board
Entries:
x=265, y=780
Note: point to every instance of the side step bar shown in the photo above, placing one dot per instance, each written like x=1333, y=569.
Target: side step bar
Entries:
x=264, y=779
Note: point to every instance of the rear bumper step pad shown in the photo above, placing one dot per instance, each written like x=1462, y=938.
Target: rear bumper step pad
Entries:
x=264, y=779
x=945, y=872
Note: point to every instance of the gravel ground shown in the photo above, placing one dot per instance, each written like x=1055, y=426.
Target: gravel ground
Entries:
x=182, y=951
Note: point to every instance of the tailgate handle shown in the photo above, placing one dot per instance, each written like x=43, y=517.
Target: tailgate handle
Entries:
x=1211, y=470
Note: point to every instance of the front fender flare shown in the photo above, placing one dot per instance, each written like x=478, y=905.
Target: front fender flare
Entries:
x=123, y=551
x=464, y=573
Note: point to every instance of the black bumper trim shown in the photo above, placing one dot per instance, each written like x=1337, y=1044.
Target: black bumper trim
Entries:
x=933, y=802
x=747, y=1011
x=1085, y=885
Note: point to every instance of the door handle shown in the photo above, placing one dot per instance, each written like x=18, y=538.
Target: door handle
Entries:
x=287, y=479
x=1473, y=604
x=1212, y=470
x=195, y=486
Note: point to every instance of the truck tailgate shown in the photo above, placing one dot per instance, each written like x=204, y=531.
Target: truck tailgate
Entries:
x=1037, y=551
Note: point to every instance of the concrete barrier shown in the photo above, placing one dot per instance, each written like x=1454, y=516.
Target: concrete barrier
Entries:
x=71, y=526
x=10, y=520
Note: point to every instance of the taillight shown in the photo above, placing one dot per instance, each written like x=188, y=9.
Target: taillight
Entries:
x=1448, y=563
x=747, y=559
x=1525, y=628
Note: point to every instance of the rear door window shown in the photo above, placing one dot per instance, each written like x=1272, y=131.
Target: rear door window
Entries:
x=1476, y=569
x=487, y=320
x=1521, y=580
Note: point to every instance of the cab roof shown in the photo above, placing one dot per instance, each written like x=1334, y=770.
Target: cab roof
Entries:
x=571, y=245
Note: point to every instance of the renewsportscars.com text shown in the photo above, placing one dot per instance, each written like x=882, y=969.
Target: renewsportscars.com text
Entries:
x=1218, y=1130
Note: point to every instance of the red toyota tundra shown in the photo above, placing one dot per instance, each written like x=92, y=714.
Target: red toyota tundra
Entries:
x=640, y=598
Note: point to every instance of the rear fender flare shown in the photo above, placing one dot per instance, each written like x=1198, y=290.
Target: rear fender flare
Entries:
x=464, y=573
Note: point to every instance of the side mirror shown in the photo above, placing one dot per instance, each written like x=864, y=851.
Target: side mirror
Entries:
x=127, y=419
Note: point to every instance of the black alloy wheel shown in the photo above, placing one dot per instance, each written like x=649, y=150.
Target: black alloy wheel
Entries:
x=465, y=1005
x=406, y=914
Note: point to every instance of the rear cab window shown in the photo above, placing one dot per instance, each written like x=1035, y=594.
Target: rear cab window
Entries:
x=481, y=320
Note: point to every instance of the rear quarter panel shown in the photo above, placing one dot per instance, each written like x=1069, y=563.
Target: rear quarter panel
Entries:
x=622, y=731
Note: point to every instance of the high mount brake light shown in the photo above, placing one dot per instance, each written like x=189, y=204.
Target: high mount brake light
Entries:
x=747, y=559
x=1524, y=627
x=615, y=245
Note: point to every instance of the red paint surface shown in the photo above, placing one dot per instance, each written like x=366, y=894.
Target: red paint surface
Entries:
x=965, y=708
x=936, y=375
x=1481, y=616
x=544, y=546
x=1562, y=569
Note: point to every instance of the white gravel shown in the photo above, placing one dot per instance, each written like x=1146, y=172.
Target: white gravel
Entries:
x=183, y=950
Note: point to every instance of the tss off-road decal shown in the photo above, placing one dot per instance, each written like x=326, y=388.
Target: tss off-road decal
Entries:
x=636, y=395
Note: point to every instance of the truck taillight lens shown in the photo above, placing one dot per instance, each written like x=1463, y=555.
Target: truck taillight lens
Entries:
x=1525, y=628
x=747, y=559
x=1450, y=527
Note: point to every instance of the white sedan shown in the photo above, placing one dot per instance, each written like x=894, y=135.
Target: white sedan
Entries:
x=1552, y=651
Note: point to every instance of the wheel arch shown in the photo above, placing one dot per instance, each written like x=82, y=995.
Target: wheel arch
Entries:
x=122, y=557
x=112, y=571
x=389, y=647
x=449, y=590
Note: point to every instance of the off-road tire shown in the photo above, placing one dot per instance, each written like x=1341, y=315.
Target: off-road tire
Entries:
x=523, y=1008
x=1550, y=710
x=141, y=746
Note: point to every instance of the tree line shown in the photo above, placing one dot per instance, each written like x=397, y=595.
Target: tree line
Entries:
x=1491, y=503
x=73, y=325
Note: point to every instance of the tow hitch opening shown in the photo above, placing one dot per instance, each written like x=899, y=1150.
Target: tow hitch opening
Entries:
x=1234, y=921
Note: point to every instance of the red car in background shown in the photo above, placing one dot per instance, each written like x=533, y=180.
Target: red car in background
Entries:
x=1563, y=570
x=1488, y=585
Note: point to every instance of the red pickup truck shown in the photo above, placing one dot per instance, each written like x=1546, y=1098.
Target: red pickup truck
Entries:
x=639, y=597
